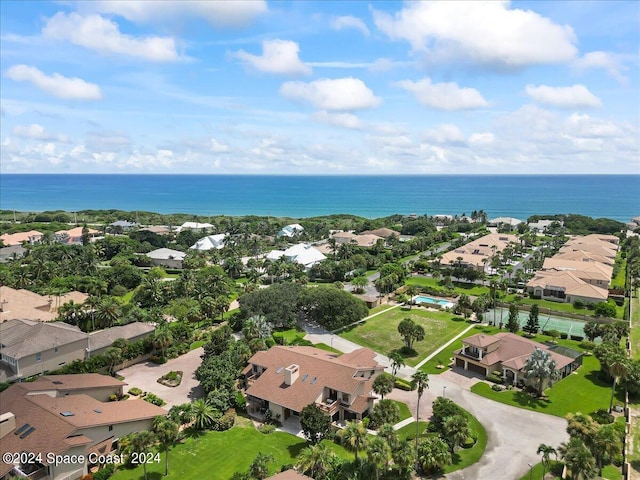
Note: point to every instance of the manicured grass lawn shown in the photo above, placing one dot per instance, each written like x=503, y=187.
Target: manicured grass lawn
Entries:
x=381, y=333
x=408, y=432
x=582, y=391
x=404, y=410
x=288, y=335
x=459, y=288
x=619, y=279
x=431, y=367
x=196, y=344
x=126, y=298
x=220, y=455
x=611, y=472
x=380, y=308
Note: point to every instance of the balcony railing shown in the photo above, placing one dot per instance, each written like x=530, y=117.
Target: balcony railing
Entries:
x=472, y=354
x=329, y=406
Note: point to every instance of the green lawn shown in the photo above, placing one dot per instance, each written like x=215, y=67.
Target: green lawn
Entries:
x=381, y=333
x=126, y=298
x=404, y=410
x=220, y=454
x=621, y=265
x=380, y=308
x=468, y=456
x=557, y=306
x=408, y=432
x=324, y=346
x=582, y=391
x=288, y=335
x=459, y=288
x=196, y=344
x=536, y=471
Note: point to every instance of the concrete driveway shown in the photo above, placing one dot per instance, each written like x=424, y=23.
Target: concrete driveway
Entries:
x=145, y=376
x=513, y=434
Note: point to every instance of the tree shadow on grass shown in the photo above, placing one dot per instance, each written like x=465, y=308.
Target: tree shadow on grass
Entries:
x=192, y=432
x=295, y=449
x=526, y=400
x=405, y=352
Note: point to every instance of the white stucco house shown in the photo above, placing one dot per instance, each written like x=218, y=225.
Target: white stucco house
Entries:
x=210, y=242
x=291, y=230
x=302, y=253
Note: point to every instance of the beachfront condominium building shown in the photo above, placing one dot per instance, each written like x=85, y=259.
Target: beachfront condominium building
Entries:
x=478, y=253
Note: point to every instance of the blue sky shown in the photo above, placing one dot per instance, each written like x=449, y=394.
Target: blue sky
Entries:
x=319, y=87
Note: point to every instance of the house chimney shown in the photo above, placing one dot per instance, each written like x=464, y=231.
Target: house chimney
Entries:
x=7, y=424
x=291, y=374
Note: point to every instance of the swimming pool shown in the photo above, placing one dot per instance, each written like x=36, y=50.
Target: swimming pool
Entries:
x=433, y=301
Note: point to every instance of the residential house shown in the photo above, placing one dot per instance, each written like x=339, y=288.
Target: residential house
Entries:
x=67, y=415
x=361, y=240
x=582, y=256
x=122, y=226
x=291, y=230
x=31, y=348
x=502, y=221
x=210, y=242
x=634, y=224
x=166, y=257
x=27, y=305
x=478, y=253
x=541, y=225
x=74, y=235
x=132, y=332
x=194, y=226
x=565, y=286
x=508, y=353
x=7, y=254
x=158, y=229
x=284, y=380
x=31, y=237
x=302, y=253
x=594, y=273
x=381, y=232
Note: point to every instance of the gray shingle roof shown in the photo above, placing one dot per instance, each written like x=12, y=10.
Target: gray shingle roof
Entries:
x=104, y=338
x=21, y=338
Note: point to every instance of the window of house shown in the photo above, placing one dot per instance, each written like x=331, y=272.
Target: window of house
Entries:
x=110, y=428
x=38, y=357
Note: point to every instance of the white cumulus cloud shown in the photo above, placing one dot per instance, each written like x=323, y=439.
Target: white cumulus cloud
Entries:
x=606, y=61
x=443, y=96
x=332, y=94
x=346, y=120
x=97, y=33
x=576, y=96
x=446, y=133
x=349, y=21
x=56, y=84
x=485, y=138
x=278, y=56
x=486, y=33
x=36, y=131
x=217, y=13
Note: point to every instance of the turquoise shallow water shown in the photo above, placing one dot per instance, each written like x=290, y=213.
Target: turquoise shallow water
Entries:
x=611, y=196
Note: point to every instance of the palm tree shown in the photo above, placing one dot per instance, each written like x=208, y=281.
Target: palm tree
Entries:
x=141, y=443
x=355, y=437
x=606, y=443
x=456, y=430
x=316, y=461
x=383, y=384
x=397, y=362
x=113, y=356
x=617, y=369
x=403, y=457
x=259, y=468
x=379, y=454
x=578, y=459
x=433, y=454
x=420, y=381
x=162, y=340
x=546, y=451
x=168, y=433
x=203, y=414
x=108, y=312
x=540, y=366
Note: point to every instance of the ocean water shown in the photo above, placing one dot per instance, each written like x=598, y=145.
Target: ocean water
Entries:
x=610, y=196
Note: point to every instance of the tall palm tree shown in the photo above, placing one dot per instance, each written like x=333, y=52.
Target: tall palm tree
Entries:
x=162, y=340
x=141, y=443
x=617, y=369
x=606, y=443
x=578, y=459
x=403, y=457
x=259, y=468
x=456, y=430
x=379, y=454
x=108, y=312
x=355, y=437
x=168, y=433
x=433, y=454
x=546, y=451
x=420, y=381
x=397, y=362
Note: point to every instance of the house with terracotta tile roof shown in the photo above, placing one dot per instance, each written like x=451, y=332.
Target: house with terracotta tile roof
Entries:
x=31, y=237
x=74, y=235
x=284, y=380
x=381, y=232
x=565, y=286
x=477, y=254
x=508, y=353
x=63, y=415
x=361, y=240
x=290, y=474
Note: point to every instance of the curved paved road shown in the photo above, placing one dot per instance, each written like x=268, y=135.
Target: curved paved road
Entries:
x=513, y=434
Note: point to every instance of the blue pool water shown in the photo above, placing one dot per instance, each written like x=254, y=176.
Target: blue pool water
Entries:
x=423, y=299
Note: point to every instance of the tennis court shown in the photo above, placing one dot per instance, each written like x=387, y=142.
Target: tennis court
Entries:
x=547, y=322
